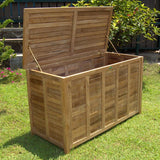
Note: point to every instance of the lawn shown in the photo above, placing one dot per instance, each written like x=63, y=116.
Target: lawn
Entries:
x=137, y=138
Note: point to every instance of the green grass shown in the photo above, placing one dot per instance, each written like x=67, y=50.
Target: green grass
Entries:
x=138, y=138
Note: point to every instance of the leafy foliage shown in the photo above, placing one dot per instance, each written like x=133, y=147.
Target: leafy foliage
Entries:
x=8, y=21
x=5, y=51
x=130, y=18
x=2, y=5
x=9, y=76
x=5, y=23
x=5, y=3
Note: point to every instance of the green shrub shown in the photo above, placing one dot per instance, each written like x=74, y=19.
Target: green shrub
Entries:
x=7, y=21
x=9, y=76
x=5, y=51
x=130, y=18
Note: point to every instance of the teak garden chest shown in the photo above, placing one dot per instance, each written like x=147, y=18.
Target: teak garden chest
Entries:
x=81, y=89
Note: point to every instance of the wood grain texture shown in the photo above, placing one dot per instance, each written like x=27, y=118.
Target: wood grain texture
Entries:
x=37, y=102
x=83, y=90
x=67, y=110
x=82, y=105
x=29, y=100
x=25, y=39
x=140, y=83
x=74, y=31
x=46, y=105
x=56, y=33
x=88, y=106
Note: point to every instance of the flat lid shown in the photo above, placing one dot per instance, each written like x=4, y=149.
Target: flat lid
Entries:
x=56, y=34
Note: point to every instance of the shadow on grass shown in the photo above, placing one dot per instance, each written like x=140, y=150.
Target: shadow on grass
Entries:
x=45, y=150
x=37, y=146
x=3, y=112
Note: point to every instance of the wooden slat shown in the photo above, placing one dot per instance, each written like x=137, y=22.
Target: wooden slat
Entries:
x=95, y=17
x=47, y=75
x=50, y=18
x=67, y=9
x=44, y=25
x=45, y=30
x=123, y=91
x=93, y=90
x=49, y=31
x=49, y=139
x=102, y=130
x=45, y=44
x=140, y=83
x=79, y=110
x=74, y=31
x=45, y=106
x=55, y=117
x=117, y=92
x=89, y=45
x=64, y=61
x=90, y=41
x=91, y=25
x=50, y=14
x=88, y=106
x=79, y=132
x=128, y=94
x=25, y=40
x=29, y=100
x=93, y=12
x=96, y=70
x=87, y=38
x=51, y=51
x=56, y=133
x=54, y=110
x=109, y=116
x=49, y=39
x=90, y=21
x=82, y=33
x=67, y=110
x=103, y=99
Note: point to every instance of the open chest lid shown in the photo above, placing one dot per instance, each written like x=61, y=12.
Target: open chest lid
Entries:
x=55, y=34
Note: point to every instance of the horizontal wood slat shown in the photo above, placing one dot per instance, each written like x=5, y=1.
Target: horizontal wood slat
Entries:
x=96, y=99
x=55, y=28
x=83, y=90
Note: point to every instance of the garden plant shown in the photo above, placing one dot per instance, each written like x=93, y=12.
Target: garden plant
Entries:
x=5, y=51
x=7, y=75
x=130, y=19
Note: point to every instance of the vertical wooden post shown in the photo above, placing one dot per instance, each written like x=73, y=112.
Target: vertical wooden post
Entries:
x=87, y=106
x=45, y=106
x=103, y=99
x=116, y=103
x=128, y=96
x=67, y=106
x=25, y=39
x=140, y=83
x=29, y=100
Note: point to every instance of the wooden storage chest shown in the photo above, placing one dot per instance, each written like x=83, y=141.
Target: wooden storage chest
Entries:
x=82, y=90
